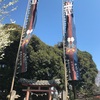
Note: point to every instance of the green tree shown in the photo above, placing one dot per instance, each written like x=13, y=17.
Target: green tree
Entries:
x=4, y=40
x=44, y=62
x=8, y=61
x=88, y=72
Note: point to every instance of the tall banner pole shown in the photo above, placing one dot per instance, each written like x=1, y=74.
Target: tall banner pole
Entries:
x=65, y=93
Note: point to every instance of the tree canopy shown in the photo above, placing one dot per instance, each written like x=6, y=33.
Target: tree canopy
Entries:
x=88, y=71
x=44, y=62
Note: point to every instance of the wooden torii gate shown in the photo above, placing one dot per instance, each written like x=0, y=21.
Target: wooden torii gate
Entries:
x=40, y=87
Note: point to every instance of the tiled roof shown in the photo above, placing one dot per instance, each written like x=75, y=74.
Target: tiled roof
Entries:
x=40, y=82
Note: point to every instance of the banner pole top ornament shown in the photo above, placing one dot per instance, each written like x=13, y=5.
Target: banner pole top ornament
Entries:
x=68, y=8
x=34, y=1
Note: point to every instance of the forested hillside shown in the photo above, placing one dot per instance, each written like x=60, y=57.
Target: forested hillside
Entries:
x=44, y=62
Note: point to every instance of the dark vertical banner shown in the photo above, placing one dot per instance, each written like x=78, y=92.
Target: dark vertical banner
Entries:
x=70, y=43
x=31, y=21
